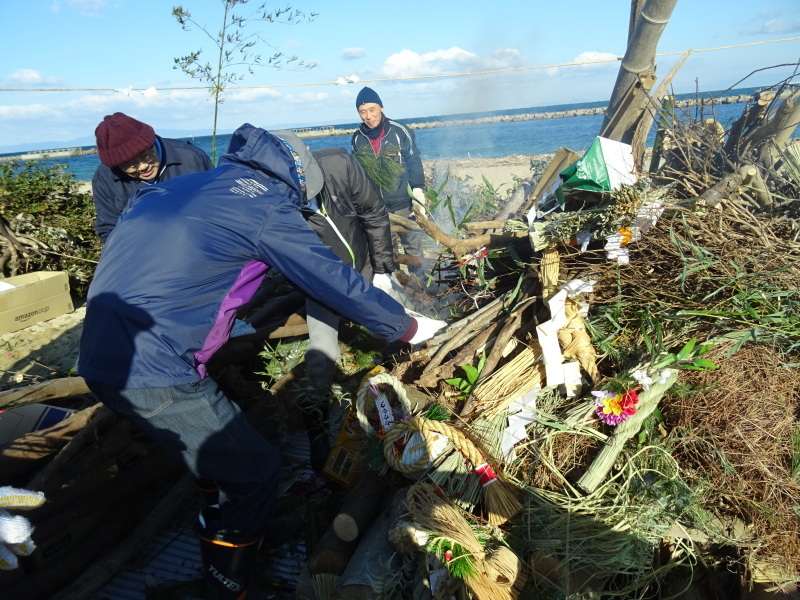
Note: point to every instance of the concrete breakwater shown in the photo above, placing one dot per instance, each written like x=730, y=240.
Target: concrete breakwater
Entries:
x=43, y=154
x=578, y=112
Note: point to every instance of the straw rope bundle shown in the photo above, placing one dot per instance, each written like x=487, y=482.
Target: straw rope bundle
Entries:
x=501, y=502
x=498, y=573
x=575, y=341
x=513, y=380
x=549, y=268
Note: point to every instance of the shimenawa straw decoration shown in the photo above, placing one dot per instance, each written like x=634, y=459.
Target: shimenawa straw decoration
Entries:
x=498, y=574
x=501, y=503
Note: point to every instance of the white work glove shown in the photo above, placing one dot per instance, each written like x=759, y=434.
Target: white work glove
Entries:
x=15, y=531
x=419, y=195
x=382, y=281
x=426, y=329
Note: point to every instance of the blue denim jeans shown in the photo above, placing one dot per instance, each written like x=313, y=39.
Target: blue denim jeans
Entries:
x=214, y=439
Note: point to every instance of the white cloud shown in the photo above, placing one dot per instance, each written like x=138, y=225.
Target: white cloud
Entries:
x=353, y=53
x=31, y=77
x=591, y=56
x=587, y=60
x=408, y=63
x=775, y=27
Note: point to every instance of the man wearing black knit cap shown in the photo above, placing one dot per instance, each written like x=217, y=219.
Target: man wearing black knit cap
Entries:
x=388, y=152
x=133, y=156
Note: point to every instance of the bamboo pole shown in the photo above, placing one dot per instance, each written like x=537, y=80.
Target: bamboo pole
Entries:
x=640, y=54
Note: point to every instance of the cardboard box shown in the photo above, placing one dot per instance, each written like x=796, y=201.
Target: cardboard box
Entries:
x=35, y=297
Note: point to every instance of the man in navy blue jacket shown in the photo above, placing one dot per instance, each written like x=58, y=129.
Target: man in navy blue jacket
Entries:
x=133, y=156
x=184, y=256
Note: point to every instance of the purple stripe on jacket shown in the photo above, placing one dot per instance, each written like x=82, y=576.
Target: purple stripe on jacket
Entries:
x=242, y=291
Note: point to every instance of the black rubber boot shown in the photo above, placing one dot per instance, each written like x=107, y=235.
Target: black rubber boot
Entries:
x=227, y=564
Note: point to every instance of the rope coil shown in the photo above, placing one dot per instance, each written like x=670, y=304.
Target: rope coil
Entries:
x=361, y=397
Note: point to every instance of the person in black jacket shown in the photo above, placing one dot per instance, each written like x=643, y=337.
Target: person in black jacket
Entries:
x=349, y=216
x=133, y=156
x=388, y=152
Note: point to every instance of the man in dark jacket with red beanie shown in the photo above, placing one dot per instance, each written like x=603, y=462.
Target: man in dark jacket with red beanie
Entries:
x=133, y=156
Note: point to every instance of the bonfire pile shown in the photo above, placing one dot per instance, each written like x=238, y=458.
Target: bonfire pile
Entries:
x=620, y=399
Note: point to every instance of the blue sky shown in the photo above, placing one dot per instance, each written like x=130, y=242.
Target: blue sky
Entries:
x=120, y=45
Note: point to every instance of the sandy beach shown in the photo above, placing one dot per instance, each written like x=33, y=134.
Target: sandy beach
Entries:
x=501, y=172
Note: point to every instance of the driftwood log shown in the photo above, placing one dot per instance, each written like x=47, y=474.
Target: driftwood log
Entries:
x=331, y=555
x=360, y=507
x=26, y=453
x=53, y=389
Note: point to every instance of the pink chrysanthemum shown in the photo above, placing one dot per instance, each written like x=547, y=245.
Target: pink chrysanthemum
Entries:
x=613, y=409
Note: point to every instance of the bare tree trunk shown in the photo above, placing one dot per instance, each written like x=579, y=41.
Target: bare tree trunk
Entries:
x=639, y=58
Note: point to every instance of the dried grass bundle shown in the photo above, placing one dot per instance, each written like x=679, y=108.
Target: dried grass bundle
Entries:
x=501, y=502
x=324, y=585
x=513, y=380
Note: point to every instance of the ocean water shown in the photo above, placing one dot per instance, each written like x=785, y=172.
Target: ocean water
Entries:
x=486, y=140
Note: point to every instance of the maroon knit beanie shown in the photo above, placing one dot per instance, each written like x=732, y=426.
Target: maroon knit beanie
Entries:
x=120, y=138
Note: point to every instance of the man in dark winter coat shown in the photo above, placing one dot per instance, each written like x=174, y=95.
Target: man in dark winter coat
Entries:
x=133, y=156
x=349, y=216
x=388, y=152
x=184, y=256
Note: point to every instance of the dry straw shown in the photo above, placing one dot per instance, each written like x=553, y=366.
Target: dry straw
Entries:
x=324, y=584
x=513, y=380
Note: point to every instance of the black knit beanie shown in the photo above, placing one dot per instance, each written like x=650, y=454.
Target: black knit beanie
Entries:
x=367, y=95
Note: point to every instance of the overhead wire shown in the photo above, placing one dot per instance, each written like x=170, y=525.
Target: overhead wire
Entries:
x=412, y=78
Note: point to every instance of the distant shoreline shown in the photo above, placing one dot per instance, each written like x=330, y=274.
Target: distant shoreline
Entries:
x=315, y=132
x=334, y=130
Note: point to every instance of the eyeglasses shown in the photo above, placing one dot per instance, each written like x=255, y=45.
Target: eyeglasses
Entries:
x=132, y=166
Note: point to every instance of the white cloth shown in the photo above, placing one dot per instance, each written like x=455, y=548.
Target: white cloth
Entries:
x=383, y=281
x=15, y=531
x=419, y=197
x=426, y=329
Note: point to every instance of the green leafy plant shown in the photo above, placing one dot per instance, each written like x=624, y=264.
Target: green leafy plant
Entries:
x=52, y=222
x=795, y=466
x=384, y=168
x=466, y=384
x=235, y=49
x=459, y=561
x=281, y=359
